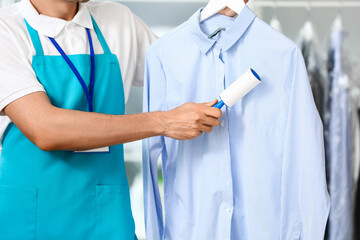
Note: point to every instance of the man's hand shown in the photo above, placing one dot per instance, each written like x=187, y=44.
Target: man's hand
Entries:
x=190, y=120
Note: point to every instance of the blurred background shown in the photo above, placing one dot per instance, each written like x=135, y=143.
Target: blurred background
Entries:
x=289, y=17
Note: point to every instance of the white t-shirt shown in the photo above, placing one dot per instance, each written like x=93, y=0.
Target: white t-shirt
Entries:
x=127, y=36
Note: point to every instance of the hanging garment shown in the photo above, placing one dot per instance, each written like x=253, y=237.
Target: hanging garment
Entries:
x=307, y=41
x=357, y=208
x=355, y=93
x=340, y=162
x=357, y=215
x=355, y=130
x=62, y=194
x=261, y=173
x=356, y=156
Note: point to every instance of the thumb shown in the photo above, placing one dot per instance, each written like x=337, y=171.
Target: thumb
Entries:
x=210, y=104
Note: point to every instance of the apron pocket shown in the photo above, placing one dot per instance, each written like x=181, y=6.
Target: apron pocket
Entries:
x=18, y=213
x=114, y=217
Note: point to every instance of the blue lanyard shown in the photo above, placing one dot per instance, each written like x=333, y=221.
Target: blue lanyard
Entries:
x=88, y=92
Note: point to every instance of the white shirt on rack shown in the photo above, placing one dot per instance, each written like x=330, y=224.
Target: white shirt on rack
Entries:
x=127, y=36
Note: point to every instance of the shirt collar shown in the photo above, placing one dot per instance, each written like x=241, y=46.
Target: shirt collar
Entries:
x=50, y=26
x=230, y=36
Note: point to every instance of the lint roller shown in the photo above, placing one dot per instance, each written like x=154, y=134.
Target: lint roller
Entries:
x=238, y=89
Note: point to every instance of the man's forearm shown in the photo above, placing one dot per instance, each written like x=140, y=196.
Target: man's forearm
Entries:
x=52, y=128
x=75, y=130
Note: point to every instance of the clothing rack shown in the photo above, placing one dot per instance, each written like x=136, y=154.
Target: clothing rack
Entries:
x=307, y=4
x=268, y=3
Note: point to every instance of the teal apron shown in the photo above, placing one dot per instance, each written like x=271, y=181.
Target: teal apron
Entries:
x=61, y=194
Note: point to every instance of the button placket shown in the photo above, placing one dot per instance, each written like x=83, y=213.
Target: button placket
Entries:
x=218, y=70
x=226, y=159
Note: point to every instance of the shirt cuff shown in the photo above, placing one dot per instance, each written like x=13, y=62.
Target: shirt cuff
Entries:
x=18, y=95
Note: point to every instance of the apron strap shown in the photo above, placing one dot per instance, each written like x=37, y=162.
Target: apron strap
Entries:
x=101, y=37
x=35, y=40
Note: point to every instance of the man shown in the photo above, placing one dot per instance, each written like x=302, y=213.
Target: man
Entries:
x=62, y=99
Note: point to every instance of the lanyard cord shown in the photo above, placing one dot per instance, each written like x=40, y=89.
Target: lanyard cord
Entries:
x=89, y=93
x=92, y=76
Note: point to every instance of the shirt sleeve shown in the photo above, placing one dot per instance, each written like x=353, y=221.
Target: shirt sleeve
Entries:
x=305, y=201
x=154, y=100
x=144, y=37
x=17, y=77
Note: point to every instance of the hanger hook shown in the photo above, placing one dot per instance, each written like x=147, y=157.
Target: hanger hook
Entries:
x=275, y=7
x=308, y=8
x=340, y=6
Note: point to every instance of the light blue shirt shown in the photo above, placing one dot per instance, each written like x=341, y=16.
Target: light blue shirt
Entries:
x=340, y=146
x=261, y=173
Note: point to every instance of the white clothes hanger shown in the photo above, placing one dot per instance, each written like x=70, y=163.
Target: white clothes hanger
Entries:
x=215, y=6
x=309, y=31
x=338, y=21
x=275, y=23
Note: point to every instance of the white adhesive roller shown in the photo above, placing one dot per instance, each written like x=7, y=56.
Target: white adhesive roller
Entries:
x=238, y=89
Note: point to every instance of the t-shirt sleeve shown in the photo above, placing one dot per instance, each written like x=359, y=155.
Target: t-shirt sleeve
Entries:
x=17, y=77
x=144, y=37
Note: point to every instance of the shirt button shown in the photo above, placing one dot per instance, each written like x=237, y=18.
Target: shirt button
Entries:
x=222, y=124
x=229, y=210
x=228, y=182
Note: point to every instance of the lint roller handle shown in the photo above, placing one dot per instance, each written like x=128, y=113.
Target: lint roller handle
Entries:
x=219, y=104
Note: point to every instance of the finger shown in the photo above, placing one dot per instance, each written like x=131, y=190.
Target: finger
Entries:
x=210, y=121
x=206, y=128
x=210, y=104
x=213, y=112
x=197, y=134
